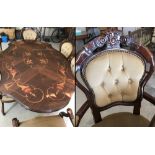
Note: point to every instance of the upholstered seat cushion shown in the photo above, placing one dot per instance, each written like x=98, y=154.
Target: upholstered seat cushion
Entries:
x=47, y=121
x=123, y=119
x=7, y=99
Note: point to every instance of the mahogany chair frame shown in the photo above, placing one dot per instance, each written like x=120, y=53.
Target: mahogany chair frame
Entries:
x=95, y=47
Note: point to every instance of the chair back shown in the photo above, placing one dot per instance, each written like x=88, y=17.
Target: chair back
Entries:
x=66, y=48
x=114, y=75
x=29, y=34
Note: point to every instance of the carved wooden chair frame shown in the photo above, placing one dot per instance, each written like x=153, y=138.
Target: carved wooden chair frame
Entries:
x=99, y=45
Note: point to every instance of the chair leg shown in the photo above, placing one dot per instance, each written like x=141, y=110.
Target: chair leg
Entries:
x=136, y=110
x=3, y=108
x=15, y=122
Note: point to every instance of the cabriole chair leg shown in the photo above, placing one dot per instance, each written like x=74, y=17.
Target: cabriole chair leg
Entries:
x=15, y=122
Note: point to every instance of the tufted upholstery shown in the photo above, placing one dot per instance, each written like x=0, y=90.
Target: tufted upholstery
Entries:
x=73, y=65
x=114, y=75
x=66, y=49
x=29, y=35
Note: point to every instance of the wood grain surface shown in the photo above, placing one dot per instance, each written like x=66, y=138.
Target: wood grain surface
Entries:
x=37, y=76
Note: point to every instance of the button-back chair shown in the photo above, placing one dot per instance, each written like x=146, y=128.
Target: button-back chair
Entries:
x=115, y=72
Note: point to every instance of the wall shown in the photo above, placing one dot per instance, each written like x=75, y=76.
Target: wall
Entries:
x=126, y=29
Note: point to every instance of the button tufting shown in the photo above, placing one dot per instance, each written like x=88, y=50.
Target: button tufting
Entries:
x=130, y=81
x=109, y=69
x=110, y=95
x=123, y=93
x=102, y=84
x=116, y=81
x=122, y=69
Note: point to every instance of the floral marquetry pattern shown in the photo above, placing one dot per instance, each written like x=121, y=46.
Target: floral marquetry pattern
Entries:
x=37, y=75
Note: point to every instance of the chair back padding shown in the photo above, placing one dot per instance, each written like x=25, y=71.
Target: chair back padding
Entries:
x=114, y=75
x=66, y=49
x=29, y=34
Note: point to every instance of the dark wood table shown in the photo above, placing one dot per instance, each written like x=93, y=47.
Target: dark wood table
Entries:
x=37, y=76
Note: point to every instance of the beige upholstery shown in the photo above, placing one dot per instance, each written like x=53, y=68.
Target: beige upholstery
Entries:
x=7, y=99
x=123, y=119
x=9, y=31
x=114, y=76
x=73, y=65
x=48, y=121
x=29, y=35
x=66, y=49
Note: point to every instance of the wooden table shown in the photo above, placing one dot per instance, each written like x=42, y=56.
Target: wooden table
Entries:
x=37, y=76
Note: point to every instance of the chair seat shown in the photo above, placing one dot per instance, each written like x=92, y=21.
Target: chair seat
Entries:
x=123, y=119
x=46, y=121
x=7, y=99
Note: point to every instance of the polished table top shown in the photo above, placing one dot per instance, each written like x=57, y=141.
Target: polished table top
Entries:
x=37, y=76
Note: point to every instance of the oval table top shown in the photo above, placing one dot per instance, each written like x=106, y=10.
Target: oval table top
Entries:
x=37, y=76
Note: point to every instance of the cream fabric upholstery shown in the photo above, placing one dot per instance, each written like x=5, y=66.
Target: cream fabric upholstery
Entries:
x=9, y=31
x=73, y=65
x=114, y=76
x=47, y=121
x=7, y=99
x=29, y=35
x=66, y=49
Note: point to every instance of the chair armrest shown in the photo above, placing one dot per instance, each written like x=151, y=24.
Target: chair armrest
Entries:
x=81, y=112
x=84, y=90
x=149, y=98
